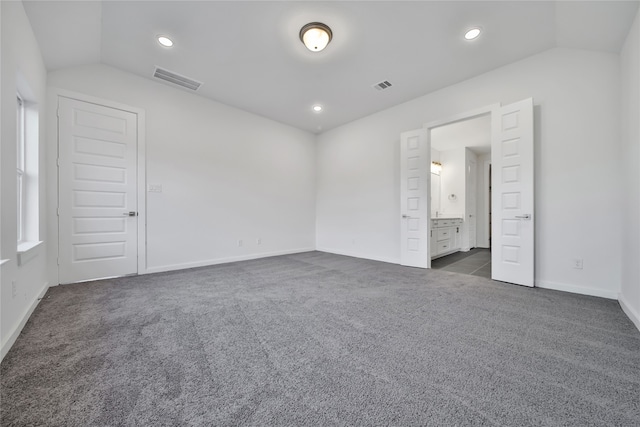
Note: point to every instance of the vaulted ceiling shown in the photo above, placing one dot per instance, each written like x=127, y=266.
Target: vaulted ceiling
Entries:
x=248, y=54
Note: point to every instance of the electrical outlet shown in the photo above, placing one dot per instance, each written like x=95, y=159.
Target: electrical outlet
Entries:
x=155, y=188
x=258, y=241
x=14, y=290
x=240, y=243
x=577, y=263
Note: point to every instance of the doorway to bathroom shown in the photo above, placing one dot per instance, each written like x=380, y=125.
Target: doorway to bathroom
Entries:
x=455, y=227
x=460, y=231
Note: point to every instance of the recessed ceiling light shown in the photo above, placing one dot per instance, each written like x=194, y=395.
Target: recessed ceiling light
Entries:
x=165, y=41
x=472, y=33
x=317, y=108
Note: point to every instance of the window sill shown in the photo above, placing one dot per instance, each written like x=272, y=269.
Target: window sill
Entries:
x=27, y=251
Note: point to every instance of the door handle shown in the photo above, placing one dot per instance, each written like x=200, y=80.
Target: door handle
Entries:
x=130, y=214
x=406, y=216
x=525, y=216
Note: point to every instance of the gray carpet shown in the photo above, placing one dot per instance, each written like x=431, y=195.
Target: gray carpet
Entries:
x=319, y=339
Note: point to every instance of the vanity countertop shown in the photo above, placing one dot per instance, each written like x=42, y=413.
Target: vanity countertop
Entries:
x=447, y=217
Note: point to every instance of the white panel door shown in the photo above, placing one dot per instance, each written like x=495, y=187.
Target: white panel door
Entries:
x=97, y=148
x=415, y=176
x=512, y=244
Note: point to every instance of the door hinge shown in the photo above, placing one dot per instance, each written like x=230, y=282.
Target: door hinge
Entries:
x=58, y=112
x=58, y=211
x=58, y=161
x=58, y=261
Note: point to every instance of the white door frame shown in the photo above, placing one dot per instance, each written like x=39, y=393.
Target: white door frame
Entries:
x=53, y=95
x=494, y=110
x=490, y=109
x=486, y=196
x=471, y=179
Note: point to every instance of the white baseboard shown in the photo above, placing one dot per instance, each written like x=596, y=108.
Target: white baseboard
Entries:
x=6, y=346
x=225, y=260
x=358, y=255
x=629, y=311
x=576, y=289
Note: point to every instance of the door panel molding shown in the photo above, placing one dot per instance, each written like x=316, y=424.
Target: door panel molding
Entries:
x=415, y=204
x=54, y=97
x=513, y=234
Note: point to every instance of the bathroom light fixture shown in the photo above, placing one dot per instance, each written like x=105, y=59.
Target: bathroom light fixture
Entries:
x=165, y=41
x=472, y=33
x=436, y=167
x=315, y=36
x=317, y=108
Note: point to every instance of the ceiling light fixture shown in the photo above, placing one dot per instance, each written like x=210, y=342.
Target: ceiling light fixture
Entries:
x=436, y=168
x=315, y=36
x=472, y=33
x=317, y=108
x=165, y=41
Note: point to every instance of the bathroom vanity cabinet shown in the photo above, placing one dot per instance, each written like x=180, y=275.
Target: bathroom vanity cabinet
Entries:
x=445, y=236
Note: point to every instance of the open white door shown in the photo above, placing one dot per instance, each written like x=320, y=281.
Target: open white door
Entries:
x=415, y=177
x=512, y=244
x=98, y=191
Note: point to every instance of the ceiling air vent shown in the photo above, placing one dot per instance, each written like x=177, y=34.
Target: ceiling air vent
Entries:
x=176, y=79
x=382, y=85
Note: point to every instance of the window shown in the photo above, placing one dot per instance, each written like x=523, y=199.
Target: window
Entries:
x=21, y=149
x=27, y=191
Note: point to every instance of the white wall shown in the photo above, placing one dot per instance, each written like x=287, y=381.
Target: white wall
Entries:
x=22, y=70
x=436, y=187
x=470, y=200
x=577, y=188
x=458, y=184
x=452, y=182
x=226, y=175
x=630, y=77
x=483, y=201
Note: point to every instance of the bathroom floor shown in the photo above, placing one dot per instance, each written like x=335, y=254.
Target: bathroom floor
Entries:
x=476, y=262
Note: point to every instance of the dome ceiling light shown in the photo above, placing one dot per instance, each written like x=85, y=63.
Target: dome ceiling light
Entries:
x=315, y=36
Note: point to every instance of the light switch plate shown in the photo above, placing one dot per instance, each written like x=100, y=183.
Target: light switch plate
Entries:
x=155, y=188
